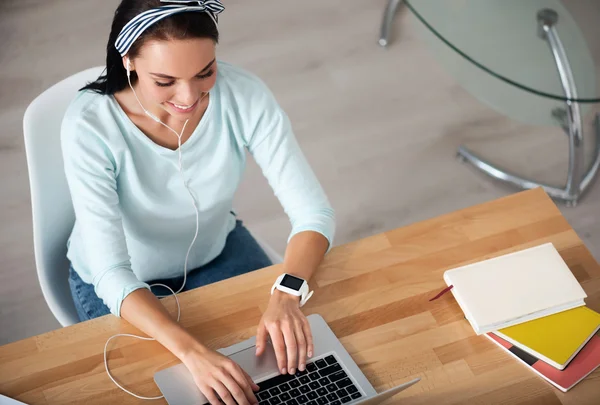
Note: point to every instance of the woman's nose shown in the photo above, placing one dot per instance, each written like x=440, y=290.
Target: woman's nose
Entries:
x=188, y=95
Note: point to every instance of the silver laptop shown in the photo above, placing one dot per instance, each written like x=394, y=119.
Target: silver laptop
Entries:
x=7, y=401
x=331, y=376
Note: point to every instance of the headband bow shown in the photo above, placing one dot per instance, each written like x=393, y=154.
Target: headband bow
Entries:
x=134, y=28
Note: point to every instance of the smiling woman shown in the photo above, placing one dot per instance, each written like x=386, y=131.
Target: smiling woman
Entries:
x=172, y=86
x=163, y=80
x=154, y=151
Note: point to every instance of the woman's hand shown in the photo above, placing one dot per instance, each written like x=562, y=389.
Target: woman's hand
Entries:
x=217, y=376
x=289, y=330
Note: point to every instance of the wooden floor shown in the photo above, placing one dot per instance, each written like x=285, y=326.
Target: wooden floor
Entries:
x=380, y=127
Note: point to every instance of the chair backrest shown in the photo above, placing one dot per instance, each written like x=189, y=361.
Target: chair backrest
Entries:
x=52, y=210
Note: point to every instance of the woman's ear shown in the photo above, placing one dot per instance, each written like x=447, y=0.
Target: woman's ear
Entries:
x=127, y=64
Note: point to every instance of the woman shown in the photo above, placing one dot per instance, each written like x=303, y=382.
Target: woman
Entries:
x=154, y=151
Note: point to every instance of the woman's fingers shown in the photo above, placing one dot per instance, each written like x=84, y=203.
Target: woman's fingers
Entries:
x=291, y=337
x=244, y=381
x=223, y=392
x=279, y=346
x=235, y=394
x=301, y=343
x=253, y=385
x=210, y=394
x=291, y=346
x=310, y=347
x=221, y=379
x=261, y=339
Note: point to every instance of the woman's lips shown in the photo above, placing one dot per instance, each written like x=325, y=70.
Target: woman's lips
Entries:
x=183, y=108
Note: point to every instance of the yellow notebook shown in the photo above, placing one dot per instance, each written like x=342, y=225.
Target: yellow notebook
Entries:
x=555, y=339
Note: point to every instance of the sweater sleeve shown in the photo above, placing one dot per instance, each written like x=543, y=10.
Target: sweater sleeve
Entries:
x=91, y=174
x=274, y=147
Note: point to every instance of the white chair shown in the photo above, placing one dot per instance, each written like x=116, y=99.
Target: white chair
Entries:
x=52, y=210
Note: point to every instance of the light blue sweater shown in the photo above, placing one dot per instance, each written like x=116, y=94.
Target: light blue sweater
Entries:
x=135, y=219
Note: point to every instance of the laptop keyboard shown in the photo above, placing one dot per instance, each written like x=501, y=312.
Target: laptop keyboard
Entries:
x=322, y=382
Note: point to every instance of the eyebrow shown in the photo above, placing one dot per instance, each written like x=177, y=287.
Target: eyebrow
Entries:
x=171, y=77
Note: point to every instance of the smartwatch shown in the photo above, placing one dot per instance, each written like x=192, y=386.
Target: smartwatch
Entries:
x=293, y=285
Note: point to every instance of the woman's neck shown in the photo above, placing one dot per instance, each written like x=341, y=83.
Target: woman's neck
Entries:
x=156, y=131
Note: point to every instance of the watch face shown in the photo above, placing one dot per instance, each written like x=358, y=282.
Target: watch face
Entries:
x=292, y=282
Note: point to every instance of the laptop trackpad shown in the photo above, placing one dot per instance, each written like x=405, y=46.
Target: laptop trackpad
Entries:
x=258, y=367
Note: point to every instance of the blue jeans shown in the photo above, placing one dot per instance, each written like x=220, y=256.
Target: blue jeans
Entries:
x=242, y=254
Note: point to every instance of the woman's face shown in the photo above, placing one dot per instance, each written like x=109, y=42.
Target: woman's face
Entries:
x=176, y=74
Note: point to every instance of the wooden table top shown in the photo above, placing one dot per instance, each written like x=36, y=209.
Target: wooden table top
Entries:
x=374, y=293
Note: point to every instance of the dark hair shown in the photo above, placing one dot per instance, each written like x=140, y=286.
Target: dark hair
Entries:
x=178, y=26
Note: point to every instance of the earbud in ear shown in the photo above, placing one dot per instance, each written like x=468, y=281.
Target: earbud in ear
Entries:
x=148, y=113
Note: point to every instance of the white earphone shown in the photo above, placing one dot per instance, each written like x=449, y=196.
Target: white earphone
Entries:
x=148, y=113
x=155, y=118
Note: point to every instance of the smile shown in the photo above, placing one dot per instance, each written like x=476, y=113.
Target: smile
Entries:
x=183, y=108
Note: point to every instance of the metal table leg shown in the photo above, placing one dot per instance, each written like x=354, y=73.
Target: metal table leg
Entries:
x=388, y=19
x=577, y=182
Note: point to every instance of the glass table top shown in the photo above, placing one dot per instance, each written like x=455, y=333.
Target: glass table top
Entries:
x=494, y=50
x=501, y=38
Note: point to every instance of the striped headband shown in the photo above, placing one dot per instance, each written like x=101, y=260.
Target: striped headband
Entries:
x=134, y=28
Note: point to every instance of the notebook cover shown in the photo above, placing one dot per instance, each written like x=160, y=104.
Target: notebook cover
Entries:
x=582, y=365
x=557, y=337
x=514, y=288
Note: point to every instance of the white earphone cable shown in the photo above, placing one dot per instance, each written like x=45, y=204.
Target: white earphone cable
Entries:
x=194, y=202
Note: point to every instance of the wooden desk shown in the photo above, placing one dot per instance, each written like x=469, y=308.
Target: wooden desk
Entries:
x=374, y=293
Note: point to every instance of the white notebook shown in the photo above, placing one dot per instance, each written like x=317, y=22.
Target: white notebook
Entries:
x=514, y=288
